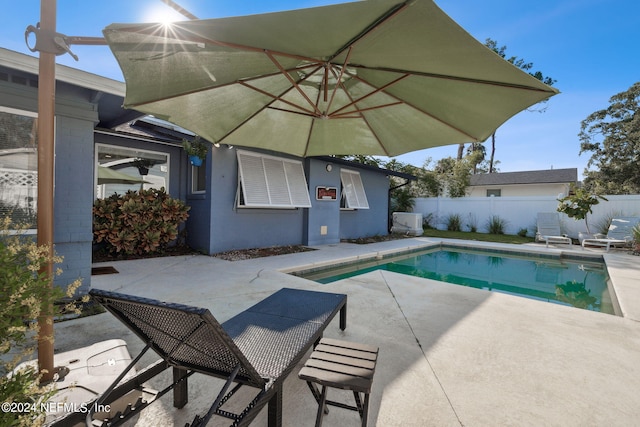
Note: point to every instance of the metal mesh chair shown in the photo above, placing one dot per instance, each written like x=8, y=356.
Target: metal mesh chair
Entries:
x=258, y=348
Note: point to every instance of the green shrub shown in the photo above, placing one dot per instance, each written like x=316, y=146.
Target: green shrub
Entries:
x=18, y=214
x=523, y=232
x=473, y=222
x=138, y=222
x=454, y=222
x=496, y=225
x=402, y=200
x=26, y=294
x=602, y=225
x=636, y=239
x=426, y=221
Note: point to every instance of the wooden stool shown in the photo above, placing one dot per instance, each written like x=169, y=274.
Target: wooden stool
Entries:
x=343, y=365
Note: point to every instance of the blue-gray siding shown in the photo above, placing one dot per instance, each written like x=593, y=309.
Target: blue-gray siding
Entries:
x=217, y=225
x=76, y=117
x=323, y=213
x=372, y=221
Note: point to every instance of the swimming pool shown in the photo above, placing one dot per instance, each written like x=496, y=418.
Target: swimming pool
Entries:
x=577, y=282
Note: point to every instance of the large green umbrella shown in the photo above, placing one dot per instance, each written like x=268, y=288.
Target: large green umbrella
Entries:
x=378, y=77
x=110, y=176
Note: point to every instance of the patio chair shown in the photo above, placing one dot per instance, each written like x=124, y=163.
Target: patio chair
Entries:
x=549, y=229
x=620, y=234
x=258, y=348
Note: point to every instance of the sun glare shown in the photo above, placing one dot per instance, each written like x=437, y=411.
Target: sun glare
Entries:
x=162, y=13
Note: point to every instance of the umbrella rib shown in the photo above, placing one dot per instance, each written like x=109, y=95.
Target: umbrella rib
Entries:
x=262, y=109
x=348, y=115
x=377, y=90
x=279, y=97
x=306, y=112
x=181, y=34
x=366, y=122
x=364, y=33
x=291, y=80
x=418, y=109
x=248, y=79
x=342, y=70
x=313, y=122
x=454, y=78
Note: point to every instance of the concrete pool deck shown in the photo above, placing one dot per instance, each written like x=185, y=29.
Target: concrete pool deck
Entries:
x=449, y=355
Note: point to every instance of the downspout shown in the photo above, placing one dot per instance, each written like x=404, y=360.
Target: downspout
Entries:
x=389, y=225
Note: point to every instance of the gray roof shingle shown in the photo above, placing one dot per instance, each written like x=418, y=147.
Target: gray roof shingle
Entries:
x=548, y=176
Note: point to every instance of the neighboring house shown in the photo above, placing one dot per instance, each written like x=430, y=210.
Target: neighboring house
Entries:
x=239, y=198
x=551, y=182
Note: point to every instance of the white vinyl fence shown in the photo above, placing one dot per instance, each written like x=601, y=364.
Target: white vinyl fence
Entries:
x=519, y=212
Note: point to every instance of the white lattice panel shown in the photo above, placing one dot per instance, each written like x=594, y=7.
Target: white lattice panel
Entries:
x=18, y=178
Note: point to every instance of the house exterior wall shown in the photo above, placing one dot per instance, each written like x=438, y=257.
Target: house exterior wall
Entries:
x=73, y=199
x=242, y=228
x=216, y=225
x=521, y=190
x=373, y=221
x=75, y=118
x=198, y=224
x=324, y=215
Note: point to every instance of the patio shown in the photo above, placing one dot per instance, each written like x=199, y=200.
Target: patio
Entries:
x=449, y=355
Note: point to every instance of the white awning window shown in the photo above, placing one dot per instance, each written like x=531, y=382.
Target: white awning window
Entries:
x=353, y=190
x=271, y=182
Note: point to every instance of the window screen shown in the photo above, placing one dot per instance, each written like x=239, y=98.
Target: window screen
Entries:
x=353, y=190
x=271, y=182
x=199, y=178
x=120, y=169
x=18, y=166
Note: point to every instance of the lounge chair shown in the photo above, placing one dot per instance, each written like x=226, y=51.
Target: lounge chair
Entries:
x=549, y=229
x=620, y=234
x=258, y=348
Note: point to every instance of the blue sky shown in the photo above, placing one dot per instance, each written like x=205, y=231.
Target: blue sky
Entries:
x=591, y=47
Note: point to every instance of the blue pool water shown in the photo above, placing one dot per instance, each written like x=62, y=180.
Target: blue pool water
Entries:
x=579, y=283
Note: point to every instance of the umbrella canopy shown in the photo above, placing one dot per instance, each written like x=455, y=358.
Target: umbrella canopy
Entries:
x=379, y=77
x=110, y=176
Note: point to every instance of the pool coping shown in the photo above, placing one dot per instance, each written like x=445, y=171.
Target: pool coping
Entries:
x=623, y=284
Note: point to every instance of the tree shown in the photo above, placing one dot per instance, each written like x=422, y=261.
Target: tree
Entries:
x=613, y=136
x=578, y=204
x=363, y=159
x=524, y=66
x=454, y=175
x=476, y=153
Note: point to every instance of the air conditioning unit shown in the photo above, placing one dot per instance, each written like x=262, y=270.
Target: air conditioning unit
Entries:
x=407, y=223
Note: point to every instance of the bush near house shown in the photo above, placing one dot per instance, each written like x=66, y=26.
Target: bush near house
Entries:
x=138, y=222
x=26, y=293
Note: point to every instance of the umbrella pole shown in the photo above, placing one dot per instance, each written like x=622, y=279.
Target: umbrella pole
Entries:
x=46, y=129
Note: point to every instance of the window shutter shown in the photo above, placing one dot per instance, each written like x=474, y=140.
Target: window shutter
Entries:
x=353, y=189
x=252, y=179
x=272, y=182
x=297, y=184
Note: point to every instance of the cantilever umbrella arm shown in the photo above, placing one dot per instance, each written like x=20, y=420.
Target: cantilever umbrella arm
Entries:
x=49, y=41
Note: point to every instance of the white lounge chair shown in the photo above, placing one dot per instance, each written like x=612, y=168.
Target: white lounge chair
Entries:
x=620, y=234
x=549, y=229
